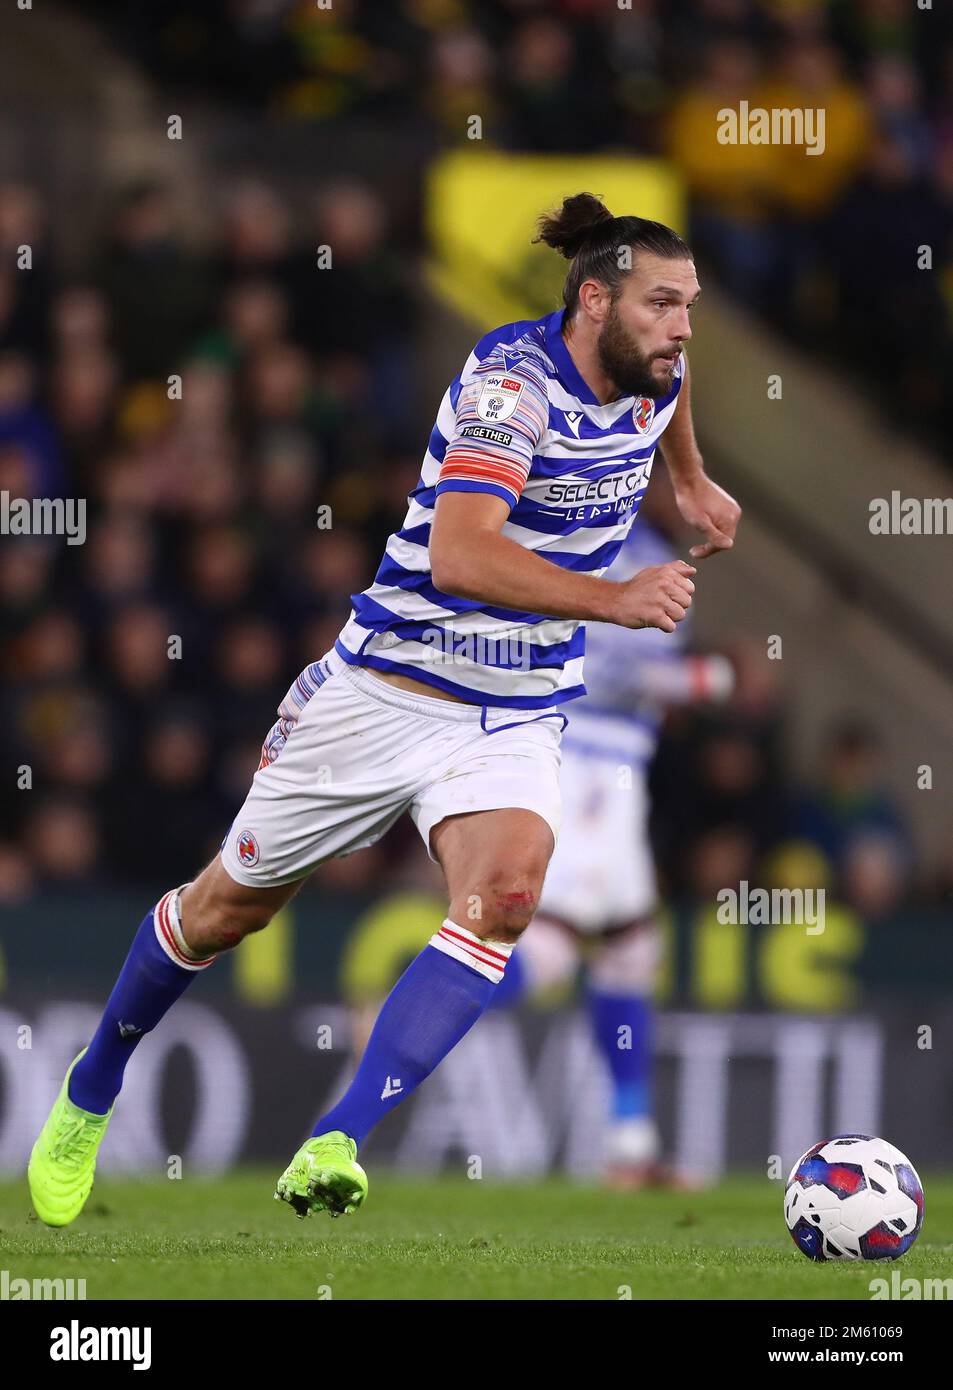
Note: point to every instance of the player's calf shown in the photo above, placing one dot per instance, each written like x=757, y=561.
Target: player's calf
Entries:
x=159, y=967
x=622, y=971
x=166, y=955
x=218, y=913
x=494, y=863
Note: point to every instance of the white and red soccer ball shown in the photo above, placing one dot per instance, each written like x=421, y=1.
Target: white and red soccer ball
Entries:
x=853, y=1198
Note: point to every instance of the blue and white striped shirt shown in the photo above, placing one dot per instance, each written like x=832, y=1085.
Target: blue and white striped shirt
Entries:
x=519, y=422
x=619, y=720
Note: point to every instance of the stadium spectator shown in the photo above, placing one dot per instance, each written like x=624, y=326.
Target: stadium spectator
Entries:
x=155, y=287
x=729, y=183
x=851, y=817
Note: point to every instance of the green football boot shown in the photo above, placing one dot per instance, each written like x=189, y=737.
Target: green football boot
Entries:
x=324, y=1175
x=63, y=1161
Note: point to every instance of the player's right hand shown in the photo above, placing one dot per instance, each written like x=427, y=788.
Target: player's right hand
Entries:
x=659, y=596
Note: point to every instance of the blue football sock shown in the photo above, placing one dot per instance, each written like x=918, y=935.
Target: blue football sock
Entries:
x=156, y=972
x=622, y=1024
x=433, y=1005
x=514, y=986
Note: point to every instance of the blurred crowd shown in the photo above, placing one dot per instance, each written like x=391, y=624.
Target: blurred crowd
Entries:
x=246, y=427
x=727, y=810
x=232, y=509
x=827, y=247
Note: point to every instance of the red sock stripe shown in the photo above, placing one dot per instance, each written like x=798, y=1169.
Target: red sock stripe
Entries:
x=482, y=960
x=165, y=926
x=476, y=948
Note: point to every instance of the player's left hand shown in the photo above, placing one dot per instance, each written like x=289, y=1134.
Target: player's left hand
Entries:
x=711, y=510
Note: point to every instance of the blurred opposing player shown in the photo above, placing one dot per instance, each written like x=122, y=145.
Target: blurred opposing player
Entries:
x=599, y=900
x=442, y=695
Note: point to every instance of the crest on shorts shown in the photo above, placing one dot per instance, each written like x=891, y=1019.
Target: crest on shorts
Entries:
x=247, y=848
x=643, y=413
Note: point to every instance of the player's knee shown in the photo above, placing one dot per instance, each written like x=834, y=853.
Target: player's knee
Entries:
x=226, y=924
x=628, y=961
x=212, y=921
x=508, y=903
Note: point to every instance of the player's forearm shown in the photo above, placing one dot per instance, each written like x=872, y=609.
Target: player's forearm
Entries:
x=680, y=451
x=685, y=680
x=679, y=447
x=493, y=569
x=682, y=459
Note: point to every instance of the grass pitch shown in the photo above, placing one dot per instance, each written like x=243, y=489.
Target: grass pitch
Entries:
x=445, y=1238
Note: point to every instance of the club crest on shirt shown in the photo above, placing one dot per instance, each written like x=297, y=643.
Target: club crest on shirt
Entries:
x=643, y=413
x=247, y=849
x=499, y=397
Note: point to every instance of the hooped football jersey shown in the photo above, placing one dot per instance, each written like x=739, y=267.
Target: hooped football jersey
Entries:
x=519, y=422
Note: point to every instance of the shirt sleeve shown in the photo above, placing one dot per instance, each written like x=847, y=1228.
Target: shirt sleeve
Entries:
x=502, y=414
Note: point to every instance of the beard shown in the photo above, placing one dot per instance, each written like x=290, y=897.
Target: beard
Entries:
x=625, y=364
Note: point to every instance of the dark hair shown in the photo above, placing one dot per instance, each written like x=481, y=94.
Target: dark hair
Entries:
x=586, y=233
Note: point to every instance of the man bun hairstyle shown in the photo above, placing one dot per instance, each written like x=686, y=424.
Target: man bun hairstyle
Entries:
x=587, y=234
x=567, y=230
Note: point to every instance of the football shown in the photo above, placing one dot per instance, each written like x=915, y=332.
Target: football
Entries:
x=853, y=1198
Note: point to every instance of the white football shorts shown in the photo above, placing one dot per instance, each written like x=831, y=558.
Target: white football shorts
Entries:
x=602, y=873
x=349, y=753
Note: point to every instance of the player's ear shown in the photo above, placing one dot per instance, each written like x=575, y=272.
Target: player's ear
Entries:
x=594, y=300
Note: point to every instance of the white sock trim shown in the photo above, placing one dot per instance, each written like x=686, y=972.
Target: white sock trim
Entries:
x=168, y=929
x=488, y=958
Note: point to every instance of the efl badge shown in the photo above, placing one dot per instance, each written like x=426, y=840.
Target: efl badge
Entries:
x=248, y=849
x=499, y=397
x=643, y=413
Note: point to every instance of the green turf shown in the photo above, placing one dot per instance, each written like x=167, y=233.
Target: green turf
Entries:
x=448, y=1238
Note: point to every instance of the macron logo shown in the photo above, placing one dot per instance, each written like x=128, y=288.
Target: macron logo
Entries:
x=510, y=358
x=392, y=1087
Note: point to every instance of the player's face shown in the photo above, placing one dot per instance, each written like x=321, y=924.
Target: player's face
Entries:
x=646, y=326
